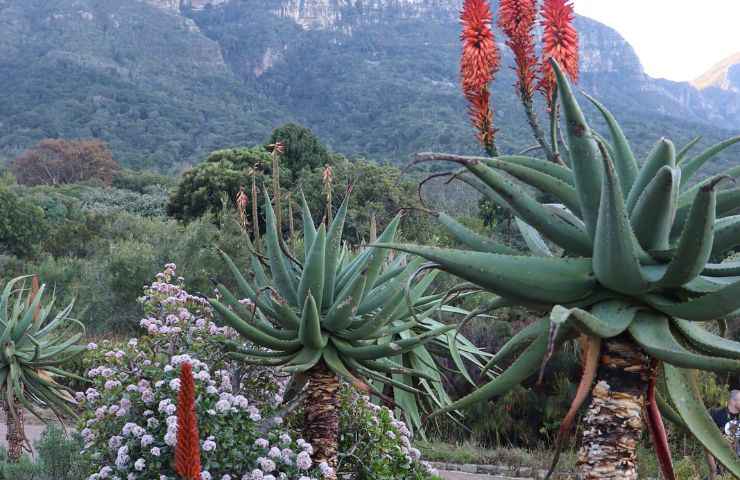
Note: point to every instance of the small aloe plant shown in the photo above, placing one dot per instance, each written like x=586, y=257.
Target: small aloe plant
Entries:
x=335, y=317
x=634, y=277
x=34, y=346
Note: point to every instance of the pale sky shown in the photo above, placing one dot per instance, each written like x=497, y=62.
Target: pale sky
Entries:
x=675, y=39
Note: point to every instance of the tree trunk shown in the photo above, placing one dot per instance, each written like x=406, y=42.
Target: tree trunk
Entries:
x=14, y=436
x=321, y=427
x=613, y=424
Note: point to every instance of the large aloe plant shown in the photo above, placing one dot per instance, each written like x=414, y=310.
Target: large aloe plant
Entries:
x=33, y=347
x=635, y=279
x=332, y=317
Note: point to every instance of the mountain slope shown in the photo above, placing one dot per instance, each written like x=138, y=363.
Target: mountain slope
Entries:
x=166, y=81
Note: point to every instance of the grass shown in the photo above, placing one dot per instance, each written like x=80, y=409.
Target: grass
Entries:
x=513, y=457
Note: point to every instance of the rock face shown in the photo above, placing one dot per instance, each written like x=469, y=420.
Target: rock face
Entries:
x=725, y=75
x=324, y=14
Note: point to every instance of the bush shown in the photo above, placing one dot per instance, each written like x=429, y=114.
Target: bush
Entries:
x=56, y=459
x=22, y=224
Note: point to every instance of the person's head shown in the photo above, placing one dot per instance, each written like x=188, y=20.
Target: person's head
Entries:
x=733, y=404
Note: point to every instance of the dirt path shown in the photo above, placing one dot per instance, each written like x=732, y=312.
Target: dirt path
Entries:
x=471, y=476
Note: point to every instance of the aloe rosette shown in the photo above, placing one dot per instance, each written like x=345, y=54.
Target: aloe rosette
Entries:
x=635, y=280
x=335, y=316
x=34, y=346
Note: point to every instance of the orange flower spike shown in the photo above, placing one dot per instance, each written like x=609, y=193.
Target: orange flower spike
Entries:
x=481, y=117
x=480, y=56
x=517, y=19
x=187, y=450
x=559, y=41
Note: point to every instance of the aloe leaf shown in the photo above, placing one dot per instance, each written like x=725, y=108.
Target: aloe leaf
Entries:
x=625, y=163
x=533, y=239
x=684, y=392
x=612, y=319
x=692, y=165
x=697, y=238
x=584, y=152
x=552, y=169
x=471, y=239
x=654, y=334
x=540, y=279
x=726, y=235
x=663, y=154
x=682, y=155
x=616, y=255
x=523, y=367
x=706, y=341
x=655, y=211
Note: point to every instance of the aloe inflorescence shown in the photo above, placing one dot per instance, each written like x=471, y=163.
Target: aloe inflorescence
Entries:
x=630, y=267
x=340, y=316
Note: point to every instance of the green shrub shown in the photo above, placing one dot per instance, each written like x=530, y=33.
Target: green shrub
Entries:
x=22, y=224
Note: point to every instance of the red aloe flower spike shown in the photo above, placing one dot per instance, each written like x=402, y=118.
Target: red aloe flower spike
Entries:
x=480, y=62
x=187, y=450
x=481, y=117
x=559, y=41
x=517, y=19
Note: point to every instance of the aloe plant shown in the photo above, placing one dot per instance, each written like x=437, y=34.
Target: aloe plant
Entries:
x=635, y=280
x=332, y=317
x=33, y=348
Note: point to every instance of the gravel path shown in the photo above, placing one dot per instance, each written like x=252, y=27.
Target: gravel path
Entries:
x=472, y=476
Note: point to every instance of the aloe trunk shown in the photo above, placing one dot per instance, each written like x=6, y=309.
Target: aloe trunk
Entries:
x=613, y=424
x=14, y=432
x=321, y=427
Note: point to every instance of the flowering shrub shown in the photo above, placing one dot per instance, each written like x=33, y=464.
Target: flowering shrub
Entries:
x=374, y=444
x=129, y=426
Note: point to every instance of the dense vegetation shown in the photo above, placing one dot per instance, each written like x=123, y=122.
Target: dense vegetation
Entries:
x=163, y=94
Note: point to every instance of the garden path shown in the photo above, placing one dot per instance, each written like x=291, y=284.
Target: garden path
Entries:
x=33, y=426
x=447, y=475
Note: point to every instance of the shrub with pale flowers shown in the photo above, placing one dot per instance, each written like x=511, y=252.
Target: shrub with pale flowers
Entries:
x=129, y=427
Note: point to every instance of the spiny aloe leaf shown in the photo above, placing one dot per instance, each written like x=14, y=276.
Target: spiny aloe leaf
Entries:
x=655, y=211
x=691, y=166
x=706, y=341
x=624, y=160
x=612, y=319
x=584, y=152
x=539, y=279
x=663, y=154
x=653, y=333
x=684, y=392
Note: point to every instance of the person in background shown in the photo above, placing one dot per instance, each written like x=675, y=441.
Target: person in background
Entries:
x=727, y=420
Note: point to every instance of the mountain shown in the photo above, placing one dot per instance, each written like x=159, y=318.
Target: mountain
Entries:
x=166, y=81
x=725, y=75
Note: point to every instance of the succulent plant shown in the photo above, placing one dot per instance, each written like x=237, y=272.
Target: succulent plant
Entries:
x=332, y=317
x=34, y=346
x=635, y=280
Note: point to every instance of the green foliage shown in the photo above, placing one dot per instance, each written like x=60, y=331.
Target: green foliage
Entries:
x=22, y=224
x=622, y=238
x=303, y=150
x=35, y=344
x=224, y=171
x=141, y=181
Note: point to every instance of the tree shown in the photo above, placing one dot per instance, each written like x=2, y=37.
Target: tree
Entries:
x=224, y=171
x=57, y=161
x=303, y=150
x=632, y=278
x=321, y=321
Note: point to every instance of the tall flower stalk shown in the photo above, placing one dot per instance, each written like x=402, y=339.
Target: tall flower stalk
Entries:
x=478, y=66
x=517, y=19
x=187, y=451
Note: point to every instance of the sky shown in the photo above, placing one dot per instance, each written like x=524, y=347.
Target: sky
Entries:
x=675, y=39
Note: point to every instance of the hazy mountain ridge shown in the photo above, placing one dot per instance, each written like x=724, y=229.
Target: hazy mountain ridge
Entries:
x=165, y=81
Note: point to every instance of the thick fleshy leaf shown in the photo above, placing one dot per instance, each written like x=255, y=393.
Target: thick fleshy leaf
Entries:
x=533, y=239
x=624, y=160
x=654, y=334
x=684, y=392
x=692, y=165
x=707, y=341
x=616, y=255
x=471, y=239
x=584, y=152
x=539, y=279
x=663, y=154
x=611, y=319
x=655, y=211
